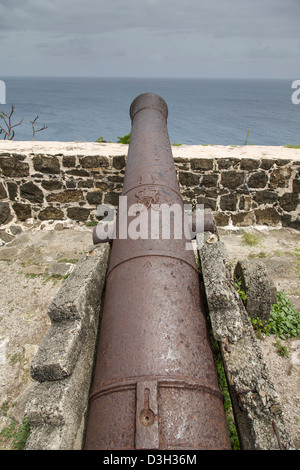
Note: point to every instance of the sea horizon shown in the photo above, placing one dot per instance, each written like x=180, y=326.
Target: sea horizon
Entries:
x=218, y=111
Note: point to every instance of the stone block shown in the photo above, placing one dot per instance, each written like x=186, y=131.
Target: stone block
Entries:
x=212, y=192
x=207, y=202
x=280, y=177
x=94, y=197
x=23, y=211
x=258, y=179
x=13, y=167
x=16, y=229
x=71, y=184
x=80, y=294
x=268, y=216
x=188, y=179
x=245, y=203
x=288, y=222
x=202, y=164
x=228, y=202
x=78, y=213
x=112, y=198
x=51, y=213
x=31, y=192
x=221, y=219
x=223, y=300
x=95, y=161
x=69, y=161
x=249, y=164
x=225, y=163
x=282, y=162
x=52, y=185
x=259, y=288
x=58, y=352
x=289, y=201
x=265, y=197
x=116, y=178
x=78, y=172
x=3, y=193
x=46, y=164
x=267, y=163
x=232, y=179
x=69, y=195
x=119, y=162
x=12, y=189
x=89, y=183
x=56, y=409
x=6, y=237
x=296, y=185
x=5, y=214
x=210, y=180
x=243, y=219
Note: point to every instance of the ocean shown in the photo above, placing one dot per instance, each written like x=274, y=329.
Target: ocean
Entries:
x=201, y=111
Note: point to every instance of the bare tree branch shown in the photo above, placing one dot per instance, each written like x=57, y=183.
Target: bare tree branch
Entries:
x=36, y=130
x=8, y=132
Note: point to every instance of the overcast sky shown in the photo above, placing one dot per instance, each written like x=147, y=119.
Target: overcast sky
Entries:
x=150, y=38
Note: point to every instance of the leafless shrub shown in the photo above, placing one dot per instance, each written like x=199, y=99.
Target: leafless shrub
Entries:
x=8, y=131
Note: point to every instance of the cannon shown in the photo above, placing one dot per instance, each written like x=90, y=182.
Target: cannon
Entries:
x=155, y=384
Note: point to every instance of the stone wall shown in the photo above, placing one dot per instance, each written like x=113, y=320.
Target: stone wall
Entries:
x=257, y=409
x=63, y=365
x=243, y=186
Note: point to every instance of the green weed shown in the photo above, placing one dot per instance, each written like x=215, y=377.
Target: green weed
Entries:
x=15, y=435
x=4, y=408
x=284, y=318
x=233, y=435
x=296, y=254
x=240, y=291
x=281, y=349
x=262, y=254
x=261, y=327
x=91, y=224
x=66, y=260
x=250, y=239
x=125, y=139
x=246, y=141
x=290, y=146
x=57, y=277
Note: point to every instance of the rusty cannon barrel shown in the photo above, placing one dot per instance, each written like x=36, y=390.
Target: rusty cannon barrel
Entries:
x=155, y=384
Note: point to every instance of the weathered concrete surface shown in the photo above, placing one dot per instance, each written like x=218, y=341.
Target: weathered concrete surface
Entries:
x=223, y=300
x=73, y=312
x=64, y=362
x=56, y=410
x=279, y=250
x=27, y=290
x=258, y=286
x=256, y=404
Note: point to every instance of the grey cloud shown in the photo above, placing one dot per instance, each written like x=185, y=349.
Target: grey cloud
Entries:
x=215, y=17
x=268, y=52
x=148, y=32
x=61, y=46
